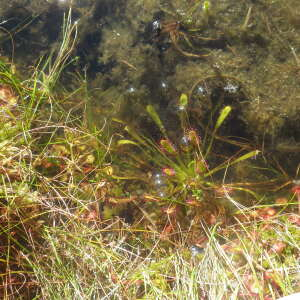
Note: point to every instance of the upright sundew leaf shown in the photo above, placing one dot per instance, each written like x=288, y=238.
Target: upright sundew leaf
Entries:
x=239, y=159
x=127, y=142
x=134, y=135
x=206, y=6
x=169, y=172
x=245, y=156
x=168, y=146
x=155, y=117
x=194, y=137
x=183, y=101
x=223, y=115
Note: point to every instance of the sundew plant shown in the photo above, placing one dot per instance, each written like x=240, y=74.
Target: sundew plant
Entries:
x=113, y=189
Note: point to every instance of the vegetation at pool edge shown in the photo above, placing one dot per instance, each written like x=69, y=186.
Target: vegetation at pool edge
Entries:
x=57, y=243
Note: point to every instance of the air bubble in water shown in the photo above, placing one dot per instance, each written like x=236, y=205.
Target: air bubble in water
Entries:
x=159, y=183
x=231, y=88
x=201, y=90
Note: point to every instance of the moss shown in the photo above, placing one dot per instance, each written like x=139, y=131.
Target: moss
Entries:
x=255, y=42
x=242, y=40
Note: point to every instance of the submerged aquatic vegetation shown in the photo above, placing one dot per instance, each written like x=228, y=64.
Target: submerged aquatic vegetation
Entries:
x=86, y=214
